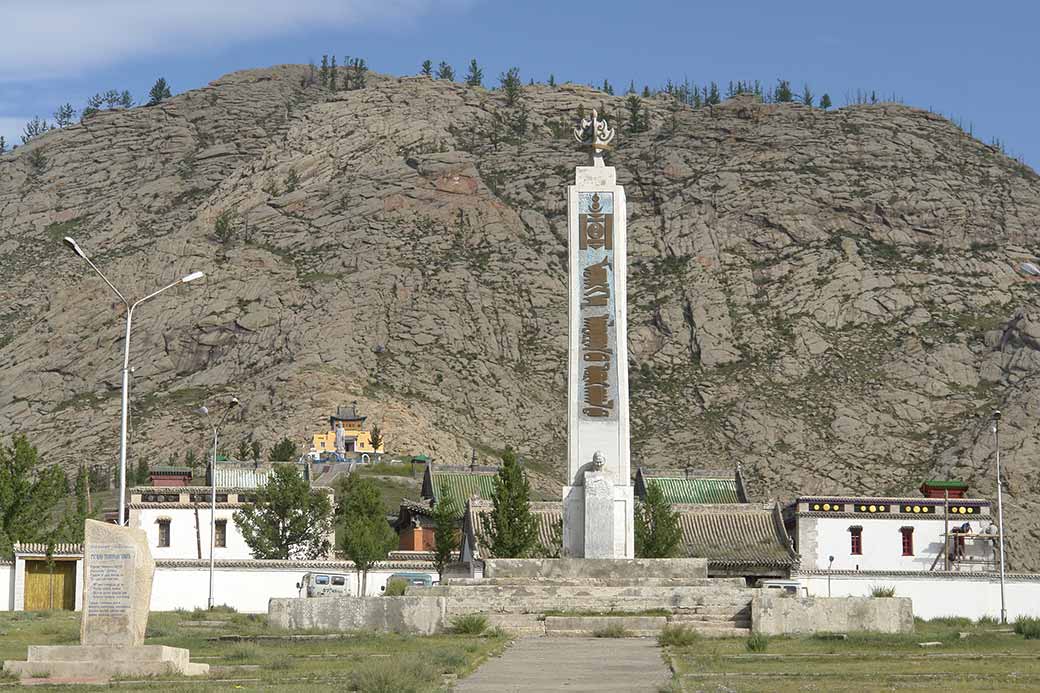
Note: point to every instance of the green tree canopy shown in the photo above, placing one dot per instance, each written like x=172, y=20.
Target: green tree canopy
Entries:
x=289, y=520
x=475, y=76
x=825, y=101
x=657, y=527
x=159, y=92
x=512, y=87
x=445, y=71
x=427, y=68
x=446, y=534
x=27, y=494
x=511, y=529
x=284, y=451
x=367, y=536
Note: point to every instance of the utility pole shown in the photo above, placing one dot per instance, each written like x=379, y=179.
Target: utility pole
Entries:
x=1000, y=514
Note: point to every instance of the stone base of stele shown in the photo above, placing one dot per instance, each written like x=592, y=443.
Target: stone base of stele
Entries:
x=105, y=661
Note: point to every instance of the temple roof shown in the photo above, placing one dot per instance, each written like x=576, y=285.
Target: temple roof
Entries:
x=693, y=485
x=736, y=534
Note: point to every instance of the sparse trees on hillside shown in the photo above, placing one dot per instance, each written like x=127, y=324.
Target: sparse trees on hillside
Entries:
x=333, y=80
x=427, y=68
x=33, y=129
x=711, y=95
x=159, y=92
x=3, y=144
x=607, y=88
x=637, y=118
x=807, y=96
x=552, y=80
x=445, y=71
x=254, y=448
x=323, y=74
x=64, y=116
x=825, y=101
x=357, y=73
x=512, y=87
x=783, y=93
x=475, y=76
x=289, y=521
x=141, y=476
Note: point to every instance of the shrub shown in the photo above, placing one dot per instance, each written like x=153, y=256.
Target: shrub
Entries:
x=244, y=651
x=757, y=643
x=223, y=227
x=470, y=624
x=1028, y=627
x=882, y=591
x=495, y=632
x=281, y=663
x=395, y=588
x=951, y=621
x=614, y=630
x=677, y=636
x=987, y=621
x=393, y=676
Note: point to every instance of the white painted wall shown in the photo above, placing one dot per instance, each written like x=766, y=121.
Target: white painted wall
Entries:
x=184, y=543
x=7, y=586
x=968, y=595
x=821, y=537
x=248, y=589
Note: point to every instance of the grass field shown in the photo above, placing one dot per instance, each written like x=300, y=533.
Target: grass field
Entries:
x=367, y=662
x=985, y=660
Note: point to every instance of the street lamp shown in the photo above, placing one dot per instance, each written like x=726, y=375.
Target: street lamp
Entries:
x=830, y=564
x=204, y=411
x=130, y=307
x=1000, y=513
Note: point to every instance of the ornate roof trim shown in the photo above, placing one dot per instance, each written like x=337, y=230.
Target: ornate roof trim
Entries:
x=40, y=548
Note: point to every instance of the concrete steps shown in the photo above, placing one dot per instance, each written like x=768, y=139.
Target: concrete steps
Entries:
x=634, y=625
x=101, y=661
x=714, y=583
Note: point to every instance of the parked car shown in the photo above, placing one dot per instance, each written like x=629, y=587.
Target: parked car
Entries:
x=791, y=587
x=413, y=579
x=324, y=584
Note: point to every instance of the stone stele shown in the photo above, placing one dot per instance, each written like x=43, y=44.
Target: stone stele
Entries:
x=117, y=592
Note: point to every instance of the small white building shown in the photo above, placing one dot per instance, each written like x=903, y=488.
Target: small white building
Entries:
x=868, y=533
x=176, y=519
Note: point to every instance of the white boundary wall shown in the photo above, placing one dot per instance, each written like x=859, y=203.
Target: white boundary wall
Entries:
x=6, y=586
x=971, y=595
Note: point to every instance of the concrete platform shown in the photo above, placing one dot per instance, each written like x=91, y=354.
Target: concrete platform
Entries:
x=577, y=665
x=596, y=568
x=104, y=661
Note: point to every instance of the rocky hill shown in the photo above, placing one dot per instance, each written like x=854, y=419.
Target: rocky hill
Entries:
x=828, y=298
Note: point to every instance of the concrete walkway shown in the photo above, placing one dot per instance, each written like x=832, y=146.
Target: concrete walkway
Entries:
x=533, y=665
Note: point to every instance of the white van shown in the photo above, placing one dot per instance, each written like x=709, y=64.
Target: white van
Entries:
x=787, y=587
x=325, y=584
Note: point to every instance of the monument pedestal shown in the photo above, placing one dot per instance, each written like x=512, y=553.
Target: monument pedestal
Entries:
x=597, y=518
x=105, y=661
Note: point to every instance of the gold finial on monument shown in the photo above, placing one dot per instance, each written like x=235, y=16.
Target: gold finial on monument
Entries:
x=595, y=133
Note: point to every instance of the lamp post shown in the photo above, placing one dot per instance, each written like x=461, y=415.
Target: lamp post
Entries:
x=1000, y=513
x=830, y=564
x=130, y=307
x=213, y=491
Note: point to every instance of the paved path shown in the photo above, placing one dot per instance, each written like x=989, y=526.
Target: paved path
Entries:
x=533, y=665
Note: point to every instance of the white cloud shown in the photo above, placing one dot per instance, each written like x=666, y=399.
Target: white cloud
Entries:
x=63, y=37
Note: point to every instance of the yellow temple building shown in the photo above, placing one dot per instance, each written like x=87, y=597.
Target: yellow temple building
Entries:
x=347, y=435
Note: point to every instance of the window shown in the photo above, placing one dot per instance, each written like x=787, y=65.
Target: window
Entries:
x=908, y=540
x=339, y=580
x=856, y=534
x=164, y=533
x=321, y=579
x=220, y=532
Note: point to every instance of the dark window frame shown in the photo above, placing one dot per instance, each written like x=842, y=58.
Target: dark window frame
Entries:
x=164, y=533
x=907, y=540
x=856, y=541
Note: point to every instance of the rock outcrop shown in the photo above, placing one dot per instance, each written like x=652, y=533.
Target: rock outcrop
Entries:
x=830, y=299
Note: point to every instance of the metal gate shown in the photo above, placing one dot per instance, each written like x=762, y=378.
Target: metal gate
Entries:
x=50, y=585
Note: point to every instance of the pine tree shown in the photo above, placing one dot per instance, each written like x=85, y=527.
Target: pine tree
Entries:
x=159, y=92
x=445, y=71
x=511, y=529
x=64, y=116
x=475, y=76
x=94, y=104
x=332, y=75
x=446, y=534
x=243, y=450
x=607, y=88
x=782, y=93
x=357, y=72
x=376, y=437
x=288, y=521
x=28, y=492
x=254, y=447
x=631, y=87
x=657, y=527
x=636, y=117
x=427, y=68
x=141, y=476
x=552, y=80
x=33, y=129
x=807, y=95
x=191, y=461
x=125, y=100
x=511, y=85
x=825, y=101
x=713, y=96
x=366, y=535
x=3, y=144
x=323, y=74
x=283, y=451
x=646, y=91
x=71, y=528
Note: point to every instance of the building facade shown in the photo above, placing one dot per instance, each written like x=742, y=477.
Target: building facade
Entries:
x=346, y=437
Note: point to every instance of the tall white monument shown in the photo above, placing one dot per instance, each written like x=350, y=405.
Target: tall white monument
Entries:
x=598, y=502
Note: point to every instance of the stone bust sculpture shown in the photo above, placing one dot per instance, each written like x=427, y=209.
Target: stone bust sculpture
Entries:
x=598, y=460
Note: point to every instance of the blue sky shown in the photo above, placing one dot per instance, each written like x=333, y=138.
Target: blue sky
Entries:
x=975, y=61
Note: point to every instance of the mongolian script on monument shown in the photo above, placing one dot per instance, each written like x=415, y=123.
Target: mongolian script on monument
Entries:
x=110, y=579
x=595, y=267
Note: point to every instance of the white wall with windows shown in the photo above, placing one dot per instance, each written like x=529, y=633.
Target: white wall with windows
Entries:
x=178, y=532
x=893, y=540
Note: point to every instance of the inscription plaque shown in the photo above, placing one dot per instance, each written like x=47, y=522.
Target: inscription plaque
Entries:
x=596, y=259
x=110, y=579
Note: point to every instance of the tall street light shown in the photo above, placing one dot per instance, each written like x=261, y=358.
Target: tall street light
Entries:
x=1000, y=513
x=130, y=307
x=204, y=411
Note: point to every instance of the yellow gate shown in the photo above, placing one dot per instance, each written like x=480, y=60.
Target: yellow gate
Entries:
x=50, y=586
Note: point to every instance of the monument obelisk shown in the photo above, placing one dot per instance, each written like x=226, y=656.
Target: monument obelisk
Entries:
x=598, y=500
